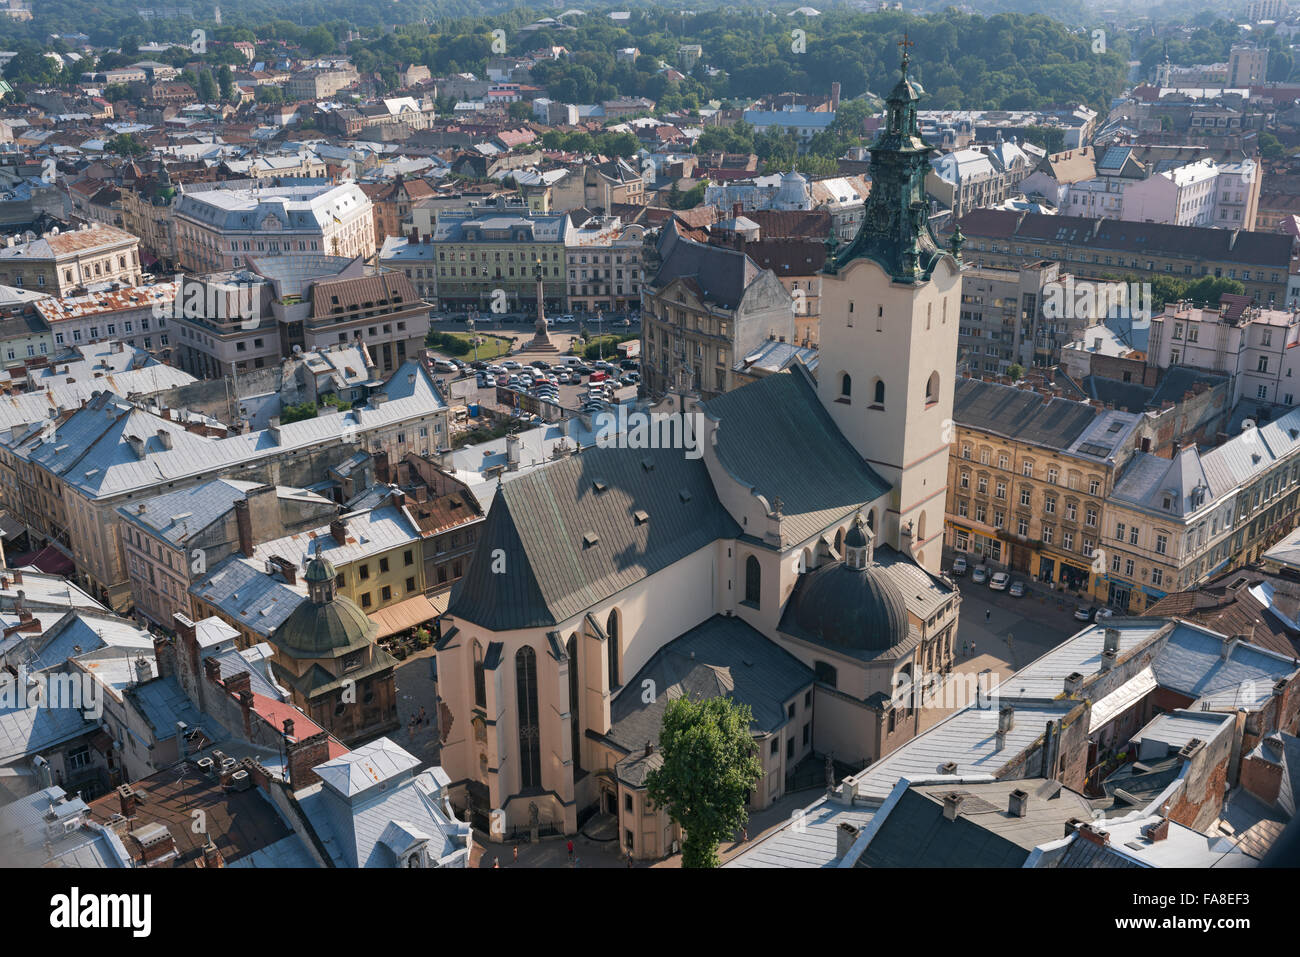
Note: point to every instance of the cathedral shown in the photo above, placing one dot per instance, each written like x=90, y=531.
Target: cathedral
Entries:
x=791, y=563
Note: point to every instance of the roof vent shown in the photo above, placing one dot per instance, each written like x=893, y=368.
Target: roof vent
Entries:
x=684, y=495
x=648, y=464
x=641, y=516
x=599, y=485
x=949, y=768
x=590, y=539
x=952, y=805
x=1018, y=806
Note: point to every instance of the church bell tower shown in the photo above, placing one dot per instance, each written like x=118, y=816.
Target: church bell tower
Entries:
x=890, y=305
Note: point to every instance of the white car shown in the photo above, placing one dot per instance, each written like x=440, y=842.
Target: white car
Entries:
x=999, y=581
x=980, y=575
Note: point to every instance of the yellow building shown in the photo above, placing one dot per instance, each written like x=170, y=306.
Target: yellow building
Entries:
x=1028, y=479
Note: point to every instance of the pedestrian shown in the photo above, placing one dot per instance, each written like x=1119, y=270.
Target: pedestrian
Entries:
x=744, y=835
x=516, y=853
x=424, y=718
x=972, y=649
x=629, y=860
x=570, y=850
x=496, y=863
x=988, y=613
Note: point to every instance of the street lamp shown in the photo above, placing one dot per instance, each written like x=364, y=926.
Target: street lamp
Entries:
x=600, y=332
x=471, y=322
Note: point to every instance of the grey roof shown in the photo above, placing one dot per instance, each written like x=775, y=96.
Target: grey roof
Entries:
x=1192, y=663
x=1045, y=676
x=809, y=839
x=287, y=852
x=1020, y=413
x=1149, y=479
x=544, y=522
x=176, y=516
x=30, y=730
x=775, y=436
x=722, y=657
x=355, y=822
x=915, y=832
x=163, y=702
x=718, y=274
x=1176, y=728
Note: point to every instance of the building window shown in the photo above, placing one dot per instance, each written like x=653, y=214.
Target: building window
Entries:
x=753, y=582
x=615, y=648
x=480, y=678
x=530, y=739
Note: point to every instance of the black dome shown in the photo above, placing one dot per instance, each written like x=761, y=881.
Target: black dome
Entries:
x=852, y=608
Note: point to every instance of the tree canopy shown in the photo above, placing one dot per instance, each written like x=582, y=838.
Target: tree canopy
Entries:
x=709, y=769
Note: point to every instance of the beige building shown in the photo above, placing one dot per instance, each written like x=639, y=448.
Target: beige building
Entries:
x=603, y=257
x=64, y=264
x=220, y=229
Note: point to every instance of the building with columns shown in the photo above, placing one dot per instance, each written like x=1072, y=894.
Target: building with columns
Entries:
x=780, y=547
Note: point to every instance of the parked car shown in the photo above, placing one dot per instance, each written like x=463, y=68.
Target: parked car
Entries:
x=599, y=376
x=445, y=365
x=1103, y=613
x=1017, y=589
x=959, y=566
x=512, y=365
x=999, y=581
x=980, y=575
x=1084, y=612
x=628, y=364
x=540, y=364
x=634, y=376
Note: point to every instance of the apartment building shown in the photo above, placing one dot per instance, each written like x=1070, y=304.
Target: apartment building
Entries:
x=599, y=186
x=493, y=253
x=603, y=262
x=706, y=308
x=1003, y=322
x=72, y=474
x=1252, y=346
x=1029, y=477
x=221, y=229
x=319, y=83
x=129, y=315
x=1173, y=524
x=67, y=263
x=1104, y=248
x=170, y=541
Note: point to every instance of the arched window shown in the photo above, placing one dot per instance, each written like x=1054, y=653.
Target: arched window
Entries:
x=879, y=396
x=932, y=389
x=480, y=679
x=871, y=520
x=839, y=541
x=530, y=736
x=846, y=385
x=920, y=527
x=615, y=649
x=575, y=726
x=753, y=581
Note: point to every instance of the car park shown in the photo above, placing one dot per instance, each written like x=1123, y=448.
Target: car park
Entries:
x=980, y=575
x=959, y=566
x=1017, y=589
x=999, y=581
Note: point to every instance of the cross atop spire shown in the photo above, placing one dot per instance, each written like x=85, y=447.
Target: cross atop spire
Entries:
x=904, y=44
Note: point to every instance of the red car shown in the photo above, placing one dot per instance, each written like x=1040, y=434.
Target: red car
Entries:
x=599, y=376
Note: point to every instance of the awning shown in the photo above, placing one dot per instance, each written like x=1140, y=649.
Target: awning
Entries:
x=10, y=527
x=407, y=614
x=53, y=562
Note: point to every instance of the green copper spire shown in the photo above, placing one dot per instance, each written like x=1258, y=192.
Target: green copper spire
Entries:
x=895, y=230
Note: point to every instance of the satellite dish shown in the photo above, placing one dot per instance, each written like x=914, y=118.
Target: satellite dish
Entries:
x=1247, y=424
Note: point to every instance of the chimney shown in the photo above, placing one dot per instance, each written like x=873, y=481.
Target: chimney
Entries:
x=649, y=748
x=127, y=799
x=164, y=652
x=18, y=576
x=1111, y=641
x=245, y=706
x=164, y=438
x=952, y=805
x=1073, y=684
x=1018, y=806
x=845, y=836
x=211, y=856
x=273, y=429
x=382, y=474
x=512, y=452
x=397, y=497
x=212, y=670
x=288, y=727
x=339, y=531
x=244, y=525
x=1006, y=719
x=303, y=756
x=238, y=683
x=155, y=844
x=1159, y=831
x=137, y=445
x=1093, y=835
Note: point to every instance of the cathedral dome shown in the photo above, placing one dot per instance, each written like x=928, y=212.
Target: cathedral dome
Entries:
x=326, y=625
x=858, y=609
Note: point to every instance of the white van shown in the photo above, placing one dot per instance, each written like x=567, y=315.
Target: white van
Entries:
x=571, y=360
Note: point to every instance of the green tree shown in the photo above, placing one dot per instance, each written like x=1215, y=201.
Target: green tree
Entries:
x=710, y=767
x=207, y=88
x=126, y=144
x=1016, y=371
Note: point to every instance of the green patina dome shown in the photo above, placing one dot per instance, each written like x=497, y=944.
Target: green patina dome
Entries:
x=326, y=625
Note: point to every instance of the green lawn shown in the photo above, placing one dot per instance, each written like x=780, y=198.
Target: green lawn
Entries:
x=492, y=347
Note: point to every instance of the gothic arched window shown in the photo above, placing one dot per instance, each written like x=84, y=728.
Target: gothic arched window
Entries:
x=571, y=649
x=530, y=737
x=480, y=679
x=615, y=649
x=879, y=396
x=753, y=581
